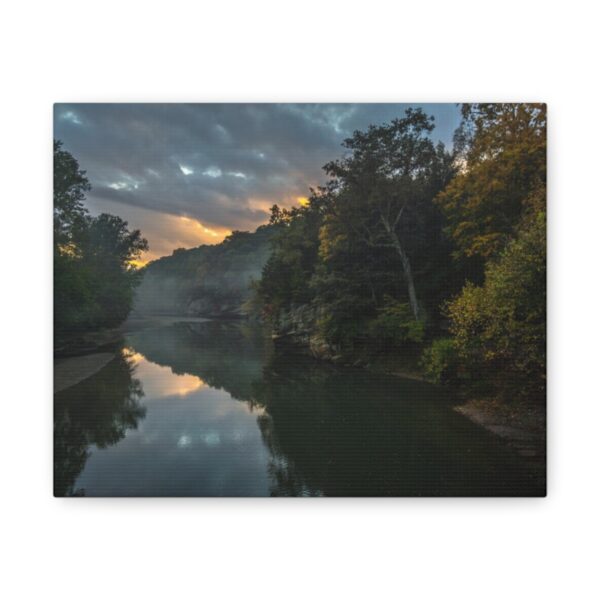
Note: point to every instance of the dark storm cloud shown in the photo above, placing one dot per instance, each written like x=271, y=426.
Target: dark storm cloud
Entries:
x=221, y=164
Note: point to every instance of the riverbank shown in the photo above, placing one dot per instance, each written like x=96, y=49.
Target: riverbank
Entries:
x=82, y=355
x=70, y=371
x=522, y=427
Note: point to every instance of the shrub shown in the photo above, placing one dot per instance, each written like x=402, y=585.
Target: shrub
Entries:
x=395, y=325
x=500, y=328
x=441, y=361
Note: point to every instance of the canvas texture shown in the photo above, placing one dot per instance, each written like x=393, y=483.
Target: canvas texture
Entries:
x=299, y=300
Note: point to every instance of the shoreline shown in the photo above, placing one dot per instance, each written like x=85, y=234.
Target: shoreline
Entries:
x=89, y=352
x=72, y=370
x=522, y=428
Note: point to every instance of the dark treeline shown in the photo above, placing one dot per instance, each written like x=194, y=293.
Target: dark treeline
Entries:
x=93, y=274
x=408, y=244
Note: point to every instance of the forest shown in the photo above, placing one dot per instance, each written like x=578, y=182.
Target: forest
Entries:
x=413, y=247
x=94, y=279
x=409, y=249
x=212, y=280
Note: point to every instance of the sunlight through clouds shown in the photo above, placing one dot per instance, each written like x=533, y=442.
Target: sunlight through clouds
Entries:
x=165, y=232
x=222, y=167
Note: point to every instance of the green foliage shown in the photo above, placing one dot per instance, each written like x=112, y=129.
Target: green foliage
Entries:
x=372, y=232
x=402, y=226
x=395, y=325
x=93, y=276
x=70, y=185
x=503, y=170
x=295, y=245
x=338, y=328
x=440, y=361
x=382, y=194
x=500, y=327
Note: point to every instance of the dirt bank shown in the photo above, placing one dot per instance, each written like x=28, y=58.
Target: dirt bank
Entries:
x=72, y=370
x=523, y=428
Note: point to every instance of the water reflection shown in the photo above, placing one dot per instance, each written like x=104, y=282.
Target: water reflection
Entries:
x=97, y=412
x=346, y=432
x=158, y=380
x=226, y=415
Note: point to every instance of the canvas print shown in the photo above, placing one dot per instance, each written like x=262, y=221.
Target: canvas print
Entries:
x=299, y=300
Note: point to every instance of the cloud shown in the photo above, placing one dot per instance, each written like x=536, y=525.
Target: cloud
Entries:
x=220, y=165
x=165, y=232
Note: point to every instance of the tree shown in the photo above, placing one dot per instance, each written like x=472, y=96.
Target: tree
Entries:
x=383, y=191
x=501, y=150
x=500, y=328
x=109, y=248
x=295, y=247
x=110, y=244
x=70, y=185
x=93, y=275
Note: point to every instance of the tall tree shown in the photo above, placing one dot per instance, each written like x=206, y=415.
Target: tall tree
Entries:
x=502, y=157
x=383, y=191
x=93, y=276
x=70, y=185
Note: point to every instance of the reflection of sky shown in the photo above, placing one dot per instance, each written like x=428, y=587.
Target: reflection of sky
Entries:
x=194, y=440
x=161, y=382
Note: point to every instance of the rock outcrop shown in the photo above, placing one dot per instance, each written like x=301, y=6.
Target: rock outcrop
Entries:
x=297, y=327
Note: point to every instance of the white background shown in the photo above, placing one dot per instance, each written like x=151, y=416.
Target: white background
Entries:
x=319, y=51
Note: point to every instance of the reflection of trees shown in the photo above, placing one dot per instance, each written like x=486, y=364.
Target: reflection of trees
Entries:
x=333, y=431
x=224, y=355
x=346, y=432
x=98, y=411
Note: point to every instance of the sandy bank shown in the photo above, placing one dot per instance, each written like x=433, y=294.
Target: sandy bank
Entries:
x=72, y=370
x=523, y=428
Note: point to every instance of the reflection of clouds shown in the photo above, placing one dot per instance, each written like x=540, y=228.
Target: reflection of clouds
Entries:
x=184, y=441
x=161, y=382
x=196, y=440
x=209, y=438
x=212, y=438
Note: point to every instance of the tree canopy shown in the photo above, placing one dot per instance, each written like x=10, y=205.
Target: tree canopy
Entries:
x=502, y=157
x=93, y=274
x=408, y=243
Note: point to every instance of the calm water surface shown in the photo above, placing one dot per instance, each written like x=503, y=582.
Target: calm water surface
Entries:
x=210, y=409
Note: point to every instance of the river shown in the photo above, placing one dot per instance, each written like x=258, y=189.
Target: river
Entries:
x=212, y=409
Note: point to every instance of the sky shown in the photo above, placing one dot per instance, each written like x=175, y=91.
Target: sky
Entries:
x=189, y=174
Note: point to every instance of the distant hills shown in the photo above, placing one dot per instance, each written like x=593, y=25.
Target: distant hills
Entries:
x=208, y=281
